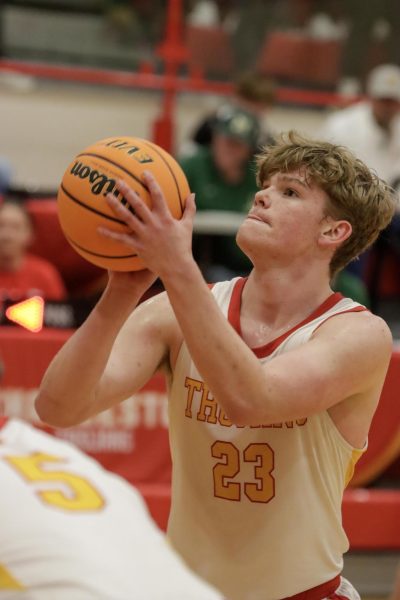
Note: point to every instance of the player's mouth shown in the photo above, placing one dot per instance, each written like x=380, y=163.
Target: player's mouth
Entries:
x=254, y=217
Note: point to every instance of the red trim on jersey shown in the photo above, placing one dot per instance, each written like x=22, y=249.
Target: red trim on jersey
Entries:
x=3, y=421
x=325, y=590
x=267, y=349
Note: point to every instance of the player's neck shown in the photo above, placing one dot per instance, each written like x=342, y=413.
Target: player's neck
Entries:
x=277, y=295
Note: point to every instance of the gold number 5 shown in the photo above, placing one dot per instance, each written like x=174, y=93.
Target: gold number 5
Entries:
x=261, y=490
x=74, y=493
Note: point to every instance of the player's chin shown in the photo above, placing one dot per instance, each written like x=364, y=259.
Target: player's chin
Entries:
x=244, y=237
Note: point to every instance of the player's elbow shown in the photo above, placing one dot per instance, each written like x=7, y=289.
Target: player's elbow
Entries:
x=54, y=413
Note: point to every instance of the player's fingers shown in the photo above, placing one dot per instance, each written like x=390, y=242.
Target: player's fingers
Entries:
x=190, y=208
x=124, y=238
x=157, y=196
x=123, y=213
x=140, y=209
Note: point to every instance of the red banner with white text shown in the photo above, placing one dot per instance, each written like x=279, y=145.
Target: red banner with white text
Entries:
x=132, y=437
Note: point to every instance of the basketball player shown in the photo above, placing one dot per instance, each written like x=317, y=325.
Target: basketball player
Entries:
x=273, y=379
x=70, y=530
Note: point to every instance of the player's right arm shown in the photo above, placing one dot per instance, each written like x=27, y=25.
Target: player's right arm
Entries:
x=112, y=355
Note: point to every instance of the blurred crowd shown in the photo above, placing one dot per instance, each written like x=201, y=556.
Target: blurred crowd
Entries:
x=358, y=35
x=219, y=153
x=365, y=33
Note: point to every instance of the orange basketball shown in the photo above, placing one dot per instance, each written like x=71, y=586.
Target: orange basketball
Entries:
x=82, y=205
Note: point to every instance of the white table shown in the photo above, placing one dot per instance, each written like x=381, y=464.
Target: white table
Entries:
x=217, y=222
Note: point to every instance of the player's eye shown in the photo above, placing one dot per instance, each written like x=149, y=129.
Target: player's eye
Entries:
x=290, y=192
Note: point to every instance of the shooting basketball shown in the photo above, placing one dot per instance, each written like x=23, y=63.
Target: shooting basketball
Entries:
x=94, y=172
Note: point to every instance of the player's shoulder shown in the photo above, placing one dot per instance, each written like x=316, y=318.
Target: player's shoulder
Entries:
x=156, y=307
x=156, y=315
x=360, y=329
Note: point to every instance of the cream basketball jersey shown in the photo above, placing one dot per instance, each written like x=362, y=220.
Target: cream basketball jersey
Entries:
x=69, y=530
x=257, y=510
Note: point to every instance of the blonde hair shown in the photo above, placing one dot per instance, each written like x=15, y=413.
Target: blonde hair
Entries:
x=356, y=194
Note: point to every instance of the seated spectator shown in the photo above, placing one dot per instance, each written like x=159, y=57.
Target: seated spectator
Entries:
x=254, y=93
x=204, y=14
x=223, y=178
x=214, y=13
x=70, y=530
x=137, y=23
x=371, y=129
x=22, y=274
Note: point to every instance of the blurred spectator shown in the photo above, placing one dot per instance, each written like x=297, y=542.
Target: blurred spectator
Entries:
x=5, y=175
x=139, y=23
x=70, y=530
x=371, y=129
x=254, y=93
x=203, y=14
x=22, y=274
x=374, y=32
x=256, y=19
x=214, y=13
x=223, y=178
x=328, y=21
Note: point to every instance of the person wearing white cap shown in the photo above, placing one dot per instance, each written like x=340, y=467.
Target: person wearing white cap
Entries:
x=371, y=128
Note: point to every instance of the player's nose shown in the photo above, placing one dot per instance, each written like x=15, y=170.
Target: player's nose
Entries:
x=262, y=199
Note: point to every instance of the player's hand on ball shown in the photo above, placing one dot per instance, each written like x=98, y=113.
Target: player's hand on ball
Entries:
x=164, y=243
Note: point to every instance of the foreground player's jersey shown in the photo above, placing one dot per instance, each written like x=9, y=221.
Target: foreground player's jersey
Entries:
x=257, y=510
x=70, y=530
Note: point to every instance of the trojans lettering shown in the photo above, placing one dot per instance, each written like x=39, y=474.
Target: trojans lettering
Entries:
x=208, y=410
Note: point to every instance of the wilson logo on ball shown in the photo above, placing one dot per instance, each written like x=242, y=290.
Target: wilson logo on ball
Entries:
x=99, y=180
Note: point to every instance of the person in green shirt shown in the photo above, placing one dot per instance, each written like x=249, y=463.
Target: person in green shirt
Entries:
x=222, y=176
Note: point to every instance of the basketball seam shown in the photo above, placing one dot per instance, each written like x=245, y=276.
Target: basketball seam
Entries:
x=94, y=210
x=106, y=159
x=154, y=147
x=97, y=254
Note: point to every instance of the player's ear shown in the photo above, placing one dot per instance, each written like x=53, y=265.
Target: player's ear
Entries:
x=334, y=232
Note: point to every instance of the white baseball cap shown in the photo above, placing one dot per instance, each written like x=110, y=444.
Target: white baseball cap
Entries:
x=384, y=82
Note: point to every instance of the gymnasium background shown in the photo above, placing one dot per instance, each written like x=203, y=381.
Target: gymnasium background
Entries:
x=72, y=72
